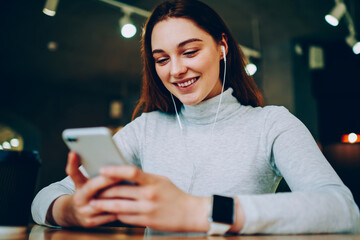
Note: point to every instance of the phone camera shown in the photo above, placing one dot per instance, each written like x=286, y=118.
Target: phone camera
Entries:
x=71, y=139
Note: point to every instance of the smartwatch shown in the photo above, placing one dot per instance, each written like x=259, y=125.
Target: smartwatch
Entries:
x=221, y=216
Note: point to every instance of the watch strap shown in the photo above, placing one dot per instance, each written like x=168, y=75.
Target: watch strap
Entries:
x=218, y=228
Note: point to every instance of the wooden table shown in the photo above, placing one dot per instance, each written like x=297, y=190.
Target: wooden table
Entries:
x=37, y=232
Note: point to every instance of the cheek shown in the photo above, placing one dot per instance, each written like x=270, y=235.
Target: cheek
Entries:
x=207, y=62
x=161, y=72
x=209, y=66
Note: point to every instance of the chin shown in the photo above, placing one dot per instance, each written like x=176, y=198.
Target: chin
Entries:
x=190, y=101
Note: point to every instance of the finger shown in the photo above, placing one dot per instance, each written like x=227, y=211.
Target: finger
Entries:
x=122, y=191
x=128, y=172
x=99, y=220
x=134, y=219
x=72, y=169
x=91, y=188
x=121, y=206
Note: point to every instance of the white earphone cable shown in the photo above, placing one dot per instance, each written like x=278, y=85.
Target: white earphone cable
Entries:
x=176, y=111
x=194, y=171
x=222, y=90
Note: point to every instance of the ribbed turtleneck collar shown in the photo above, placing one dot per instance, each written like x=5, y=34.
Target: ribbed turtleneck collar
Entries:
x=204, y=112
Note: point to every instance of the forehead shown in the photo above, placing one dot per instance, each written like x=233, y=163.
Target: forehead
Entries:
x=172, y=31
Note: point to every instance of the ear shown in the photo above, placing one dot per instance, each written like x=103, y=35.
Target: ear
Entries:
x=223, y=46
x=223, y=51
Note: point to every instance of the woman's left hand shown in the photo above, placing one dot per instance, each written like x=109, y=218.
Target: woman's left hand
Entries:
x=154, y=202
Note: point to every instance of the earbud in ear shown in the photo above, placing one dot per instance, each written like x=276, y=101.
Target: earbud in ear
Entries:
x=223, y=52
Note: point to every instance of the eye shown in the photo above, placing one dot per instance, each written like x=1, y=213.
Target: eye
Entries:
x=191, y=53
x=161, y=61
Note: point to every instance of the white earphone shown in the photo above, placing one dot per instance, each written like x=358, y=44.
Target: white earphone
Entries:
x=224, y=53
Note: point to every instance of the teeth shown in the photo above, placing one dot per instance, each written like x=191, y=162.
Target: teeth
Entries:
x=185, y=84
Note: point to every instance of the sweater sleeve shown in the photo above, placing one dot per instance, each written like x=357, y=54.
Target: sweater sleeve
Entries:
x=46, y=196
x=130, y=139
x=319, y=202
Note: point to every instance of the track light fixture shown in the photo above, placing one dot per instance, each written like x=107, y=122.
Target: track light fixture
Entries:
x=333, y=18
x=336, y=14
x=127, y=28
x=353, y=43
x=50, y=7
x=249, y=53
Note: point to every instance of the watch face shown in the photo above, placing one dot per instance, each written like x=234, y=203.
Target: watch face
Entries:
x=223, y=209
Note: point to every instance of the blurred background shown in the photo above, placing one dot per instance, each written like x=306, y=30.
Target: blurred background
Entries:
x=75, y=69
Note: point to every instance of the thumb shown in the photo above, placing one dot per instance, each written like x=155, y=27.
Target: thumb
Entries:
x=72, y=169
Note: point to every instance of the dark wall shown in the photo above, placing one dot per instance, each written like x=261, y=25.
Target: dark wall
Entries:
x=306, y=106
x=337, y=90
x=41, y=111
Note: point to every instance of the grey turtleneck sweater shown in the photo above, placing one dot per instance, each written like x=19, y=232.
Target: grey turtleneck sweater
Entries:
x=245, y=154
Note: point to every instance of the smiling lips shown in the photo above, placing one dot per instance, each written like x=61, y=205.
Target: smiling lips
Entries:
x=187, y=83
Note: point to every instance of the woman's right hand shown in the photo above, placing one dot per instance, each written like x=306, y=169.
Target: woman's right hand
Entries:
x=75, y=210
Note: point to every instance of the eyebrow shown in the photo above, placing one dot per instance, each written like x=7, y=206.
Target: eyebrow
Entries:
x=183, y=43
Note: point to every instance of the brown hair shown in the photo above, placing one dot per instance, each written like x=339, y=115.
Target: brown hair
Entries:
x=154, y=95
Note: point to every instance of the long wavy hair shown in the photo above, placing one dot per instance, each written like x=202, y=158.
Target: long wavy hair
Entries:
x=154, y=95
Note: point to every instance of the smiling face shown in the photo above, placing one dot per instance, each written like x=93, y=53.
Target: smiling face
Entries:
x=186, y=60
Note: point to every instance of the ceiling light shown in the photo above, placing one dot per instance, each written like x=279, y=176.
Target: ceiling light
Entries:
x=336, y=14
x=6, y=145
x=356, y=48
x=15, y=142
x=128, y=29
x=251, y=69
x=353, y=43
x=50, y=7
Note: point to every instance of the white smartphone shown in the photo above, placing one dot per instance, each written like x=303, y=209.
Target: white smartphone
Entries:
x=95, y=147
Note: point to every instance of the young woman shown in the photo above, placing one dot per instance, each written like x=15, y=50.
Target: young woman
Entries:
x=206, y=155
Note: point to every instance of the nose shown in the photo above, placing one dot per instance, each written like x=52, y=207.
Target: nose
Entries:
x=178, y=68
